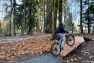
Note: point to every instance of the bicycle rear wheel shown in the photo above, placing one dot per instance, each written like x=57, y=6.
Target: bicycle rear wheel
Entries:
x=70, y=40
x=55, y=49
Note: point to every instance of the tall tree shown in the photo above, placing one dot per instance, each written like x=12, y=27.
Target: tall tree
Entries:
x=60, y=11
x=14, y=16
x=24, y=19
x=81, y=26
x=44, y=15
x=89, y=25
x=55, y=6
x=88, y=15
x=31, y=16
x=48, y=19
x=10, y=19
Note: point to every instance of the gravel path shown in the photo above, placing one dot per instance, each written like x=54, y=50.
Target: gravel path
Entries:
x=48, y=58
x=44, y=58
x=16, y=39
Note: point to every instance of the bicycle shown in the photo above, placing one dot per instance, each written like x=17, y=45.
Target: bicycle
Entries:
x=56, y=47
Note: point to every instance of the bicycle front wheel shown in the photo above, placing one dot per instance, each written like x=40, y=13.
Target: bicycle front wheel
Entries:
x=70, y=40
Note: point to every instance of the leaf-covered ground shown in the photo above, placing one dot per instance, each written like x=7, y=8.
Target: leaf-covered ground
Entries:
x=33, y=46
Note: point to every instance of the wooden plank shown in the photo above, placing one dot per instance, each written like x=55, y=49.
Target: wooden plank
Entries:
x=67, y=49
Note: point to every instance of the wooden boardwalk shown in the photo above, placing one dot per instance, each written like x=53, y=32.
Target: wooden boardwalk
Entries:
x=67, y=49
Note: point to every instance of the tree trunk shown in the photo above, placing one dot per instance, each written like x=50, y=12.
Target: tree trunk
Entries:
x=60, y=11
x=10, y=28
x=14, y=17
x=89, y=29
x=44, y=16
x=47, y=19
x=81, y=26
x=23, y=23
x=30, y=22
x=50, y=24
x=72, y=27
x=0, y=27
x=40, y=21
x=10, y=21
x=30, y=31
x=54, y=19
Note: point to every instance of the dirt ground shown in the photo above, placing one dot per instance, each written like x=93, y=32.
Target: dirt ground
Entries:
x=83, y=54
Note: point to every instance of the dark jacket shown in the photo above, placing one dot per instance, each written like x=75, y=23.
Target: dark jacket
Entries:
x=61, y=29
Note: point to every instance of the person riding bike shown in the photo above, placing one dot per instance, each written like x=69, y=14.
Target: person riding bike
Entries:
x=60, y=31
